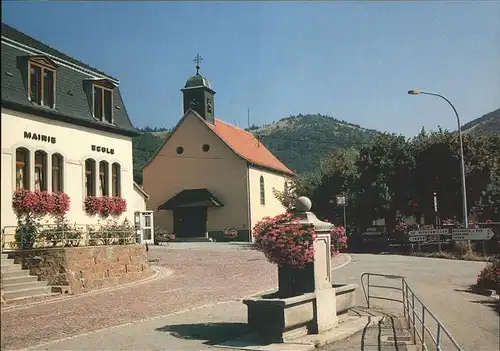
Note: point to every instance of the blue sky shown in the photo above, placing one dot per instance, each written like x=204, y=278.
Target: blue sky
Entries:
x=351, y=60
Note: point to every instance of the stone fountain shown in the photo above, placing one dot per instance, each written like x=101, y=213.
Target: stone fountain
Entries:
x=320, y=305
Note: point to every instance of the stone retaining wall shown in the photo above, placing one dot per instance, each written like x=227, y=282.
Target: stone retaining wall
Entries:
x=86, y=268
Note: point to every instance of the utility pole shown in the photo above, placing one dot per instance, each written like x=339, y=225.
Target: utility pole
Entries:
x=248, y=117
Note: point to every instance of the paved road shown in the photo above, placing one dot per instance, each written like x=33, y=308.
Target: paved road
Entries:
x=229, y=272
x=471, y=319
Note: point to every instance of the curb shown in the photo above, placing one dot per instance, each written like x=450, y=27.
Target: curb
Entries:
x=347, y=261
x=159, y=272
x=485, y=292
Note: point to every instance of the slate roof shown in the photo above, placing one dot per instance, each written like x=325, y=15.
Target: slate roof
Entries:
x=72, y=102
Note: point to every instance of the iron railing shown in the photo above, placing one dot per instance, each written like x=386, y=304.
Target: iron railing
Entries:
x=417, y=316
x=50, y=235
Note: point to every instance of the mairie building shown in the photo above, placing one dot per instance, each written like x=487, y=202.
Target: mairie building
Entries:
x=64, y=127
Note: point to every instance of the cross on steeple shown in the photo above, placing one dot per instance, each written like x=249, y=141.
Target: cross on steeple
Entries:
x=197, y=59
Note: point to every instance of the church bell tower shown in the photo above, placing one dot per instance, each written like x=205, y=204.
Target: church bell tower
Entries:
x=198, y=94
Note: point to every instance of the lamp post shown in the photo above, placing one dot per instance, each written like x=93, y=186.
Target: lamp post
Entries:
x=462, y=165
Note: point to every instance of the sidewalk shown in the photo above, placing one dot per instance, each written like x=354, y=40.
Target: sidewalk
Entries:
x=195, y=330
x=208, y=328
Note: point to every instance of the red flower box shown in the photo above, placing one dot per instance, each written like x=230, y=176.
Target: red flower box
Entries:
x=39, y=203
x=104, y=205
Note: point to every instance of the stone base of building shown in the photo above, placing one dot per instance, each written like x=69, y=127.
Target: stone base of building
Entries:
x=83, y=269
x=277, y=320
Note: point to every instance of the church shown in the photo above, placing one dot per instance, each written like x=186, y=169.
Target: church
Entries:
x=210, y=176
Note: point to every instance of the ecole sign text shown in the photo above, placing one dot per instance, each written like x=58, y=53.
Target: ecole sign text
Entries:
x=105, y=150
x=40, y=137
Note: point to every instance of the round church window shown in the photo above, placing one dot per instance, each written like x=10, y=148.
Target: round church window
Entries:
x=206, y=147
x=180, y=150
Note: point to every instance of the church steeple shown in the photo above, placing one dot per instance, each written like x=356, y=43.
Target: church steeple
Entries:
x=198, y=94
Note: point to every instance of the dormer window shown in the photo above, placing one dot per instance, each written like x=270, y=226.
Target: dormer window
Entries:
x=103, y=103
x=41, y=81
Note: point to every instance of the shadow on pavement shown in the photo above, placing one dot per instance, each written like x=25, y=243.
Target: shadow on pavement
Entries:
x=494, y=304
x=212, y=333
x=390, y=334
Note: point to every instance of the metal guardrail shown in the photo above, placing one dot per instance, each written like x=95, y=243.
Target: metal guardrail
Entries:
x=411, y=312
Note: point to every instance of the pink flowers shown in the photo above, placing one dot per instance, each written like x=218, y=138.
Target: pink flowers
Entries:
x=40, y=203
x=104, y=205
x=338, y=240
x=230, y=233
x=171, y=236
x=284, y=241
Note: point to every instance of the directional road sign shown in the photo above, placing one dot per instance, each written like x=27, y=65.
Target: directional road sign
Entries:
x=428, y=232
x=472, y=234
x=417, y=238
x=372, y=233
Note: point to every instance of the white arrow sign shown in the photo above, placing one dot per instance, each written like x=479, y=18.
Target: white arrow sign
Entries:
x=472, y=234
x=417, y=238
x=428, y=232
x=372, y=233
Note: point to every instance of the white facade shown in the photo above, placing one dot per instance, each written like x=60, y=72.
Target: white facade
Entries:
x=75, y=144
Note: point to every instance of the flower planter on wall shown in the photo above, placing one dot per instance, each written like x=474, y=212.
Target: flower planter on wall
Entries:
x=294, y=281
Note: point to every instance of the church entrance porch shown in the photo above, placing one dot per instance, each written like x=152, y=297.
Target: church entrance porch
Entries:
x=190, y=212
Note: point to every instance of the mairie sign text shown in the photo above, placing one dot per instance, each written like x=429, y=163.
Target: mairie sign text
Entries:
x=40, y=137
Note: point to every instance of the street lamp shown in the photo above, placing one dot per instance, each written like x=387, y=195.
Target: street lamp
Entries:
x=462, y=166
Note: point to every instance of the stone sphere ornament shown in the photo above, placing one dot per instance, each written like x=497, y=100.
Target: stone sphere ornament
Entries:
x=303, y=204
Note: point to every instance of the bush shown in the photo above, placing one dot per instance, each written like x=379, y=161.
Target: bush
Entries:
x=489, y=277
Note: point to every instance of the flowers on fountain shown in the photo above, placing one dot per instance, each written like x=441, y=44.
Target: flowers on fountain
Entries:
x=285, y=241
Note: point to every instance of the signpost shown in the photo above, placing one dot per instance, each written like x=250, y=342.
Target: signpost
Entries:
x=427, y=235
x=342, y=201
x=472, y=234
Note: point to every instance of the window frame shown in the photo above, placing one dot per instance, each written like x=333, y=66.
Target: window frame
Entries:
x=59, y=170
x=116, y=190
x=43, y=67
x=90, y=190
x=43, y=166
x=103, y=107
x=104, y=181
x=262, y=188
x=26, y=168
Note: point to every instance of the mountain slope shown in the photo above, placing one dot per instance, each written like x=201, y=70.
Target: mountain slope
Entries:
x=485, y=125
x=298, y=141
x=301, y=140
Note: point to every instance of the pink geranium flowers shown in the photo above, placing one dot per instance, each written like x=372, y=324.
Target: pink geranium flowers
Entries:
x=284, y=240
x=104, y=205
x=40, y=203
